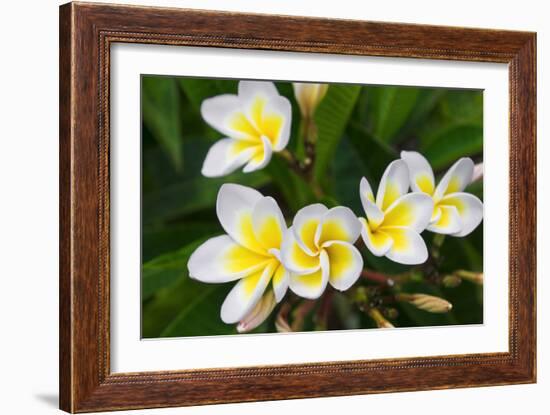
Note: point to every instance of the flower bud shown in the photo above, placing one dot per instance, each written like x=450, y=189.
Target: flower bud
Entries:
x=475, y=277
x=258, y=314
x=451, y=281
x=427, y=302
x=309, y=96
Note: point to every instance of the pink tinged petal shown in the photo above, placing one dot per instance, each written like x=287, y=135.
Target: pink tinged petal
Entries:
x=456, y=179
x=294, y=258
x=305, y=224
x=420, y=172
x=394, y=184
x=470, y=210
x=377, y=242
x=260, y=158
x=246, y=294
x=234, y=208
x=338, y=224
x=478, y=172
x=280, y=282
x=448, y=222
x=268, y=223
x=258, y=314
x=220, y=259
x=345, y=263
x=413, y=210
x=226, y=156
x=407, y=248
x=312, y=285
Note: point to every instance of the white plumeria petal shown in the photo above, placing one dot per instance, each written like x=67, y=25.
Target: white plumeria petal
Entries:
x=276, y=122
x=294, y=258
x=448, y=221
x=377, y=242
x=312, y=285
x=456, y=179
x=280, y=281
x=345, y=264
x=413, y=210
x=394, y=184
x=261, y=157
x=220, y=259
x=269, y=112
x=338, y=224
x=436, y=214
x=246, y=293
x=421, y=175
x=305, y=224
x=224, y=113
x=234, y=208
x=227, y=155
x=374, y=213
x=407, y=248
x=470, y=210
x=268, y=223
x=250, y=90
x=259, y=313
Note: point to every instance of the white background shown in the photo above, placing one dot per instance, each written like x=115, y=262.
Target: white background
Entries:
x=28, y=217
x=129, y=354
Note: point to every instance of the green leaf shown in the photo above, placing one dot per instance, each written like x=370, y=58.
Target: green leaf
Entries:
x=391, y=107
x=200, y=312
x=160, y=111
x=197, y=90
x=158, y=239
x=331, y=118
x=165, y=269
x=450, y=143
x=192, y=195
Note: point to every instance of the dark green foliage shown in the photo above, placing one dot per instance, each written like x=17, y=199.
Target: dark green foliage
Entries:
x=360, y=129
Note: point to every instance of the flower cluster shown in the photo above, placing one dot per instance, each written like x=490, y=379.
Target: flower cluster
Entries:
x=320, y=247
x=267, y=258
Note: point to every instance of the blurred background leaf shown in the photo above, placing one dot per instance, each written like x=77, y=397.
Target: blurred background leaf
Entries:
x=160, y=109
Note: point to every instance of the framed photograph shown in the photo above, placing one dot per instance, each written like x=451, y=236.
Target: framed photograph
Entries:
x=260, y=207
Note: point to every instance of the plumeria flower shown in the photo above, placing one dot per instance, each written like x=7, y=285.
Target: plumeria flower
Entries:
x=256, y=123
x=248, y=253
x=318, y=249
x=309, y=96
x=455, y=213
x=396, y=218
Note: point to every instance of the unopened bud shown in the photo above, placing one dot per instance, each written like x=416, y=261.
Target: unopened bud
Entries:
x=259, y=313
x=451, y=281
x=309, y=96
x=427, y=302
x=475, y=277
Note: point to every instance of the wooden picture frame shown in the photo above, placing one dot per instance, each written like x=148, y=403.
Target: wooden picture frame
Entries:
x=86, y=33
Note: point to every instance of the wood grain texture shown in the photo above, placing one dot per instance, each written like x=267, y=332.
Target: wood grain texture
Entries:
x=86, y=33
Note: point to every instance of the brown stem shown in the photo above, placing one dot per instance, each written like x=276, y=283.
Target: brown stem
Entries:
x=379, y=319
x=324, y=310
x=300, y=314
x=378, y=277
